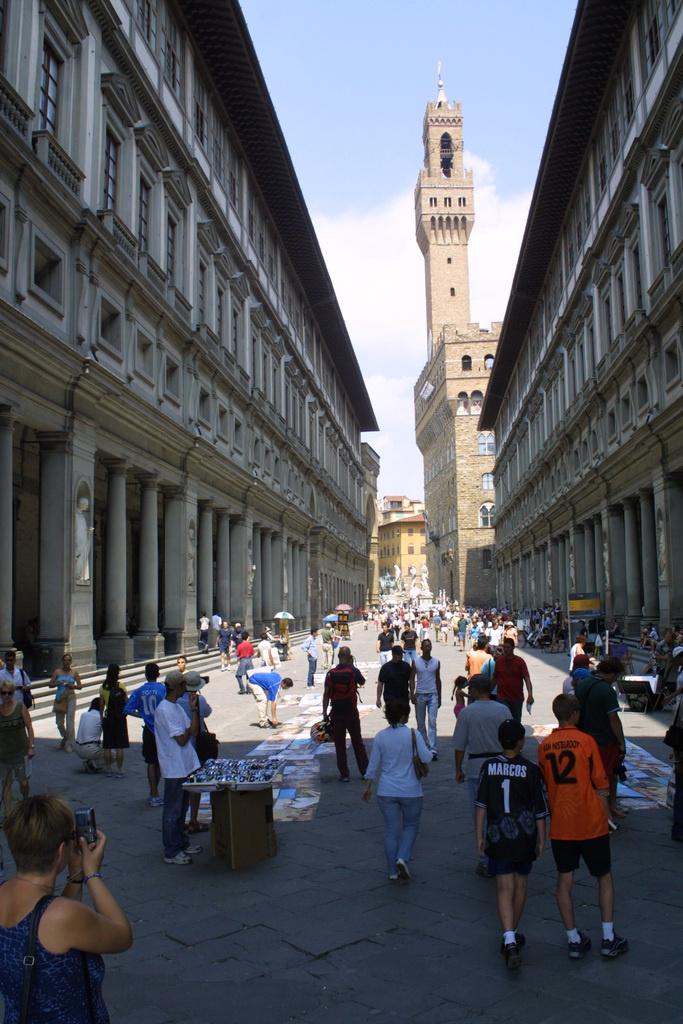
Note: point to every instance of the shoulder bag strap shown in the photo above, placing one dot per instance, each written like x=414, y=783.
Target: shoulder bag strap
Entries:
x=30, y=959
x=88, y=989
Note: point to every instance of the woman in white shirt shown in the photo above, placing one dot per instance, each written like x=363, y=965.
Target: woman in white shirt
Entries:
x=399, y=792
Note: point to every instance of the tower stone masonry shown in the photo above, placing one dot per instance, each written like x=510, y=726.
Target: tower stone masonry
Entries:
x=458, y=456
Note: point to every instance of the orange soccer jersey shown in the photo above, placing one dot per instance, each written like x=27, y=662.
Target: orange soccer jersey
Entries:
x=572, y=769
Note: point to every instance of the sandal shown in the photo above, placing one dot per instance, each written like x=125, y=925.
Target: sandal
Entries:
x=197, y=826
x=617, y=812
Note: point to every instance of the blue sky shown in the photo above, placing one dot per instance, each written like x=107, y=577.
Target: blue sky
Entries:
x=350, y=82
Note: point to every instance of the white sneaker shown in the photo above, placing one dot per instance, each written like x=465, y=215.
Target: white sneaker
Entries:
x=180, y=858
x=192, y=849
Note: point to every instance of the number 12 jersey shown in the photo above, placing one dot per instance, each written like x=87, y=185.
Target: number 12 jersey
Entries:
x=511, y=790
x=572, y=768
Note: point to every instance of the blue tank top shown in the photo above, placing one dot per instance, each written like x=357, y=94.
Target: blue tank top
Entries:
x=58, y=991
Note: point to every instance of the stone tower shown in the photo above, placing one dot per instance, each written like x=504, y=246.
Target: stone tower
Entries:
x=458, y=457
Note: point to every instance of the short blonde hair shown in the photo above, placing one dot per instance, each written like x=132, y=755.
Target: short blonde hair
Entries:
x=7, y=684
x=34, y=829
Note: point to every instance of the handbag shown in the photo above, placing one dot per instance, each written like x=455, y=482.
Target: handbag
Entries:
x=206, y=745
x=26, y=694
x=674, y=734
x=421, y=769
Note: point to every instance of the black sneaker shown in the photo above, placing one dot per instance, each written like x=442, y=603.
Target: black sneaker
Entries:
x=614, y=946
x=519, y=939
x=512, y=958
x=577, y=949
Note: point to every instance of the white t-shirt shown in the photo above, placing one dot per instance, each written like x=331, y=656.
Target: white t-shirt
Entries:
x=425, y=675
x=393, y=749
x=169, y=721
x=264, y=649
x=89, y=727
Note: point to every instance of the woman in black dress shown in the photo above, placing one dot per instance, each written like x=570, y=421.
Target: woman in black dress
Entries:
x=113, y=697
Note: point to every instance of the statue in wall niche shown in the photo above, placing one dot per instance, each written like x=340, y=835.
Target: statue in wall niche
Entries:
x=661, y=546
x=250, y=580
x=605, y=560
x=84, y=532
x=191, y=551
x=572, y=569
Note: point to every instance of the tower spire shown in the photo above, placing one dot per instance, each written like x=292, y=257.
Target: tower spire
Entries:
x=441, y=99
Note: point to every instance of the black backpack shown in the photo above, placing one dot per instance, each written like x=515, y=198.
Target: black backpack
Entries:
x=115, y=704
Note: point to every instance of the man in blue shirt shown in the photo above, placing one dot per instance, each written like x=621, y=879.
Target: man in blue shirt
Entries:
x=310, y=648
x=142, y=703
x=264, y=688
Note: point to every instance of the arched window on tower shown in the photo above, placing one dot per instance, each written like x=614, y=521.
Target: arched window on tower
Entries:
x=446, y=155
x=488, y=362
x=487, y=481
x=487, y=514
x=487, y=444
x=463, y=404
x=467, y=362
x=475, y=405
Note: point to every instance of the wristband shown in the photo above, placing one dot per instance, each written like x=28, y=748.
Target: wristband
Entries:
x=95, y=874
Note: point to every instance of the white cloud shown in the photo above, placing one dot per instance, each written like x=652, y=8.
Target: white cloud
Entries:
x=378, y=275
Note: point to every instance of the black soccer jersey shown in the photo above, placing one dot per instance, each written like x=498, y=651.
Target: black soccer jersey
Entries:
x=513, y=794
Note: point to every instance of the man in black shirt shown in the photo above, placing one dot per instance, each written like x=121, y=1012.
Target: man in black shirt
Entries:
x=409, y=640
x=393, y=678
x=385, y=641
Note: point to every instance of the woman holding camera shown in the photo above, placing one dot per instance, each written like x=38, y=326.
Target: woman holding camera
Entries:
x=66, y=986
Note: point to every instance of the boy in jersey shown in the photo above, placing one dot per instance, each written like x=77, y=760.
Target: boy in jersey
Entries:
x=512, y=800
x=142, y=703
x=578, y=793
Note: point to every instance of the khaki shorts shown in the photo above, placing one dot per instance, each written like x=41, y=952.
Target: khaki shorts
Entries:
x=10, y=772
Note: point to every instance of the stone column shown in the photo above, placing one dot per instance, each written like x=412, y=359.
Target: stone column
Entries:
x=303, y=584
x=174, y=578
x=267, y=610
x=617, y=558
x=238, y=583
x=6, y=525
x=277, y=549
x=205, y=602
x=148, y=643
x=554, y=570
x=258, y=581
x=634, y=589
x=562, y=572
x=580, y=559
x=648, y=539
x=294, y=583
x=597, y=557
x=114, y=644
x=223, y=563
x=589, y=554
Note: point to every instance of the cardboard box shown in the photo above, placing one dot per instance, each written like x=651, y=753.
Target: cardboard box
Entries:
x=242, y=830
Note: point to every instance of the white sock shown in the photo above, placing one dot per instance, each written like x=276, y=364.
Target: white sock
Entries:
x=573, y=935
x=508, y=938
x=608, y=930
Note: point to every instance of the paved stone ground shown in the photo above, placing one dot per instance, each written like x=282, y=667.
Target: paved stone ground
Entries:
x=318, y=933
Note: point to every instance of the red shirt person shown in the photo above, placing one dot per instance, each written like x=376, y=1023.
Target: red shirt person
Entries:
x=510, y=676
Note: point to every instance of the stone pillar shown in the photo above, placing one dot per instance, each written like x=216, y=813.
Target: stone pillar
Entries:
x=589, y=555
x=115, y=644
x=179, y=571
x=205, y=602
x=7, y=526
x=304, y=588
x=267, y=610
x=598, y=559
x=580, y=559
x=554, y=571
x=277, y=548
x=257, y=597
x=294, y=584
x=634, y=589
x=616, y=561
x=539, y=578
x=223, y=563
x=648, y=539
x=148, y=643
x=562, y=572
x=238, y=582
